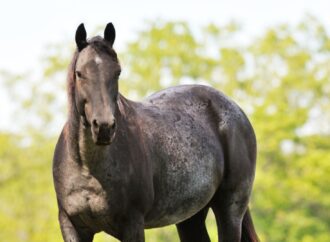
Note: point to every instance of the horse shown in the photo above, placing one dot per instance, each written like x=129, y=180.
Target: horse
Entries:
x=122, y=166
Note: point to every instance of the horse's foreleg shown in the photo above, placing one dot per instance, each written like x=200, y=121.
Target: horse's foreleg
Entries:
x=69, y=231
x=133, y=229
x=194, y=229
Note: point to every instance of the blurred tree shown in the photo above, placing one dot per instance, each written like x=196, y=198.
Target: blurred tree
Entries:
x=27, y=203
x=280, y=79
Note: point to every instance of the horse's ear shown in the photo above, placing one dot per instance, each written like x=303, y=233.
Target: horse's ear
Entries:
x=81, y=36
x=110, y=33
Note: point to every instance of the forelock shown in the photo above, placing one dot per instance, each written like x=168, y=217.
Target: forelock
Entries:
x=101, y=46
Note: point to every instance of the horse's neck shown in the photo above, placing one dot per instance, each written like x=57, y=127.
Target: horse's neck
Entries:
x=89, y=152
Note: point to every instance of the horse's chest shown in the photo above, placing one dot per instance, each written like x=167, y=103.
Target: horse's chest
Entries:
x=88, y=199
x=85, y=196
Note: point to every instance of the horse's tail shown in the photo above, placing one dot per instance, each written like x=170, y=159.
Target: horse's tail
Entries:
x=248, y=232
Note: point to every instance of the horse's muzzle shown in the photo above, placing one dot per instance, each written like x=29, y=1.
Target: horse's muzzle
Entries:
x=104, y=133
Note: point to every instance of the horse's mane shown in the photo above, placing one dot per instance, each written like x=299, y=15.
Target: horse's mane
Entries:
x=71, y=79
x=100, y=46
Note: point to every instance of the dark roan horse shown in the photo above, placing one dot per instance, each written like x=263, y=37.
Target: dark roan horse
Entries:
x=122, y=166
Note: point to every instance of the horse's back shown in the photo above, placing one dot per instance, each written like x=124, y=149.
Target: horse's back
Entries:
x=189, y=96
x=203, y=105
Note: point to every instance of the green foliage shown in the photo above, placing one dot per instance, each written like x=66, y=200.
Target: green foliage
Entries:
x=281, y=79
x=27, y=204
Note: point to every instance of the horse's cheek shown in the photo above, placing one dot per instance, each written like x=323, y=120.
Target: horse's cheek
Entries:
x=88, y=111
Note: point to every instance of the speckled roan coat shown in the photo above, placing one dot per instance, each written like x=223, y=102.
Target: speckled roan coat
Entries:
x=122, y=166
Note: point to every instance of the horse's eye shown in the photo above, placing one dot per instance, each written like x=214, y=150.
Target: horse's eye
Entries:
x=78, y=73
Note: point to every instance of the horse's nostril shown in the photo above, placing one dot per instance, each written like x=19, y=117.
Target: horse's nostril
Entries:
x=113, y=125
x=95, y=124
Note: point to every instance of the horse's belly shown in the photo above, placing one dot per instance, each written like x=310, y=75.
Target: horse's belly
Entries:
x=183, y=189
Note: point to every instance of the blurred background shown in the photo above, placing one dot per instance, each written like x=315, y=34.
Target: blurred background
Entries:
x=271, y=57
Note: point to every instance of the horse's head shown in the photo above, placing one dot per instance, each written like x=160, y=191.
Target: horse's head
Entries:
x=96, y=83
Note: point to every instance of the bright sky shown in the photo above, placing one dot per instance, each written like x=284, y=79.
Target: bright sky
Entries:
x=28, y=26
